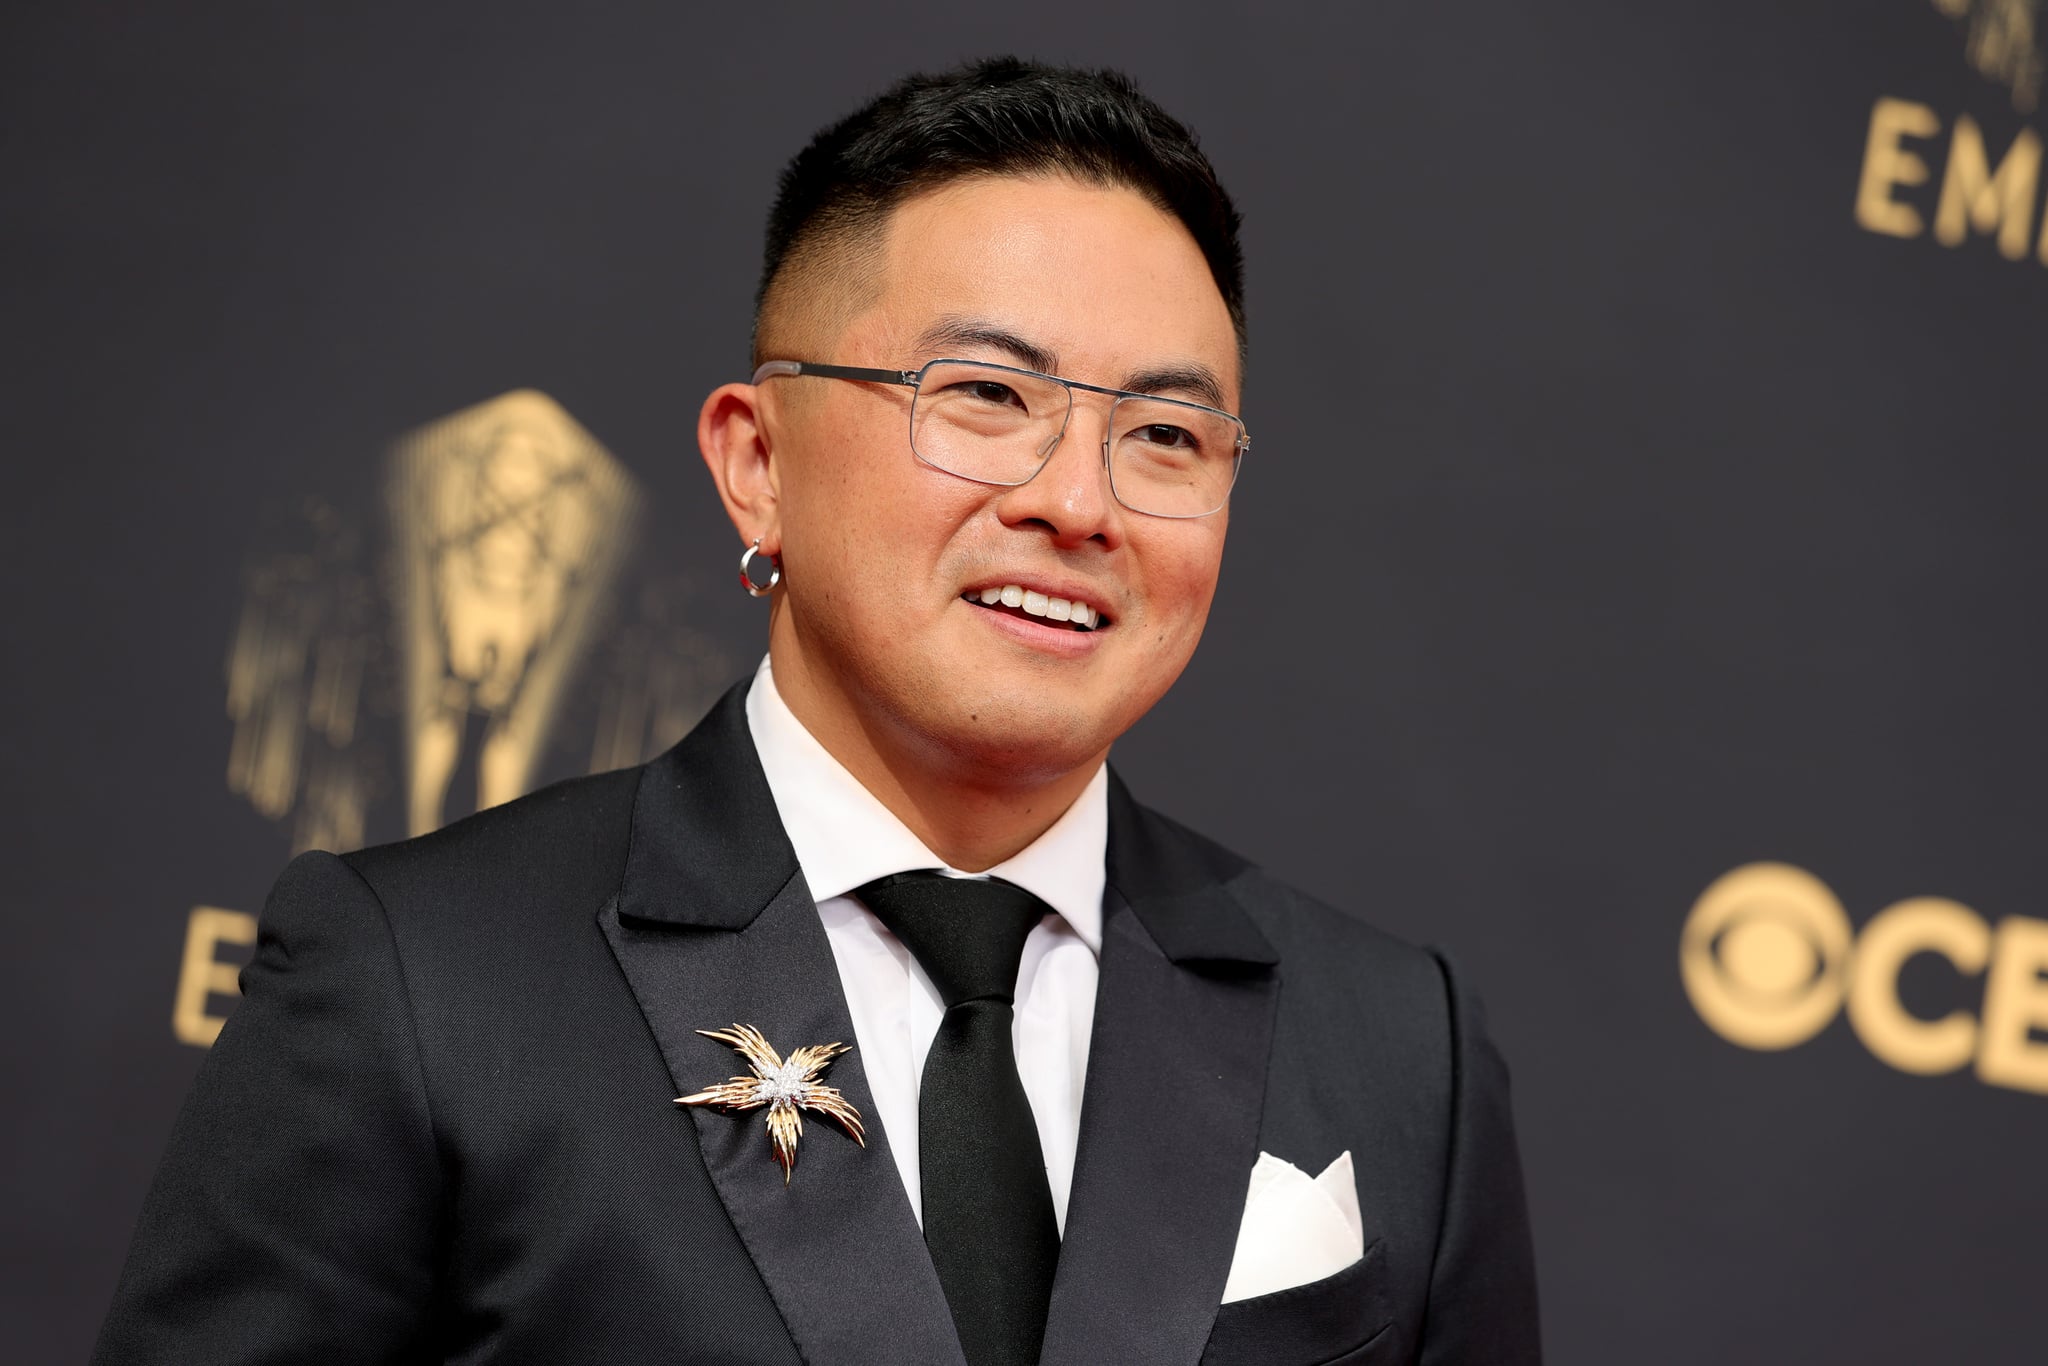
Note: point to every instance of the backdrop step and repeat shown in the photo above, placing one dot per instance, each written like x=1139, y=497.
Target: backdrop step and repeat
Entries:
x=1636, y=585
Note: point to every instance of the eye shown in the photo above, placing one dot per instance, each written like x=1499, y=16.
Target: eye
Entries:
x=1166, y=436
x=993, y=392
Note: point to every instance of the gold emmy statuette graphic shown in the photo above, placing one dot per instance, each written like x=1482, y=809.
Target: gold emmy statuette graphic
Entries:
x=373, y=655
x=309, y=625
x=2003, y=41
x=511, y=523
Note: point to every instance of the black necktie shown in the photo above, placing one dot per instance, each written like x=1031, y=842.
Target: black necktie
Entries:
x=987, y=1209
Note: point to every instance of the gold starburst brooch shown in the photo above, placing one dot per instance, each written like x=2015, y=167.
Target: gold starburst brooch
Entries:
x=785, y=1086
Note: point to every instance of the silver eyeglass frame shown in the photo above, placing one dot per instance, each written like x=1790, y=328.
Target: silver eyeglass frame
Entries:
x=913, y=379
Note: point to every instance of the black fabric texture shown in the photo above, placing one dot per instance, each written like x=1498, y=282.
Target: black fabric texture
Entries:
x=1169, y=1133
x=988, y=1216
x=441, y=1124
x=837, y=1246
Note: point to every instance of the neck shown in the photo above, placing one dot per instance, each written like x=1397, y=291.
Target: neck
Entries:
x=973, y=811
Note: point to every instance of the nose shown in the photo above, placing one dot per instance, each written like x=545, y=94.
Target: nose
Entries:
x=1070, y=496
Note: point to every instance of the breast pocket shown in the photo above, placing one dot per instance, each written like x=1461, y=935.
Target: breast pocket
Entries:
x=1341, y=1320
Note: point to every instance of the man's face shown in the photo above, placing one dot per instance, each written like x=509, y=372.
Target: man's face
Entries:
x=885, y=558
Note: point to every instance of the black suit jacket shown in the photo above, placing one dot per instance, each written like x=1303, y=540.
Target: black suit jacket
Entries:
x=440, y=1126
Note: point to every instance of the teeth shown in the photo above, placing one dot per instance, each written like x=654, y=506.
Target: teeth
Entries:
x=1039, y=604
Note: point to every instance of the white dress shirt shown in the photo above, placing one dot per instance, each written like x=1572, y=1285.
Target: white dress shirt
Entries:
x=844, y=837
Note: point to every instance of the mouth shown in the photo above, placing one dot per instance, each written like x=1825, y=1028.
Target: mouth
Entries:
x=1015, y=600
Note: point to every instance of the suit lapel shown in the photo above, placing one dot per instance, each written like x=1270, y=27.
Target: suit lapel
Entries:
x=713, y=925
x=1170, y=1109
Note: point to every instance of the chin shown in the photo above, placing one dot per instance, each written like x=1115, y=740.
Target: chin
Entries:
x=1025, y=737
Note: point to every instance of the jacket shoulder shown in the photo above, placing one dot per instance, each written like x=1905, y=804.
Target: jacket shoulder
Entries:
x=1316, y=941
x=1311, y=933
x=565, y=841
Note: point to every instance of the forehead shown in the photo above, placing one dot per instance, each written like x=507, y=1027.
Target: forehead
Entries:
x=1098, y=277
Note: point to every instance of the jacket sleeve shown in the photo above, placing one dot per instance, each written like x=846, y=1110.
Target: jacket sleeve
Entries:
x=1482, y=1285
x=293, y=1216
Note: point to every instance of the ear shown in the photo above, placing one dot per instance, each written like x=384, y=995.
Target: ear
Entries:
x=734, y=439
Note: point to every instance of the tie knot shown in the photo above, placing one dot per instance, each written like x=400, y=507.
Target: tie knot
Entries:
x=967, y=933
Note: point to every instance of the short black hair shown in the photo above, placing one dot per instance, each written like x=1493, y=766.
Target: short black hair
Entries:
x=1000, y=116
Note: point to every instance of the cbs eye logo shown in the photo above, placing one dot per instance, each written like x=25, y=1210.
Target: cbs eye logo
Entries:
x=1769, y=959
x=1766, y=956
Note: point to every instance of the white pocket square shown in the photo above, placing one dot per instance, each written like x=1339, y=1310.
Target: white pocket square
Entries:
x=1296, y=1229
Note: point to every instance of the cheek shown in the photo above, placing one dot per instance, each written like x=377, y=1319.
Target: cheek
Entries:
x=829, y=490
x=859, y=508
x=1179, y=585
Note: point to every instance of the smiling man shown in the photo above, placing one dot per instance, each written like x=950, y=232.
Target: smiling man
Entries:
x=1060, y=1056
x=897, y=505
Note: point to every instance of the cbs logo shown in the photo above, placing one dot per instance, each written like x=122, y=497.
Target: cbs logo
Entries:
x=1769, y=958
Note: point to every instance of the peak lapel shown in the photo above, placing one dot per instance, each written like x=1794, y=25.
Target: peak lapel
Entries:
x=1171, y=1106
x=713, y=926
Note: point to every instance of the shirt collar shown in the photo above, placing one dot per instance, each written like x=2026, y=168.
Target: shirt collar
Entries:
x=845, y=838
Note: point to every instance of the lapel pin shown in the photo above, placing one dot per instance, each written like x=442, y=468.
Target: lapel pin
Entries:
x=786, y=1086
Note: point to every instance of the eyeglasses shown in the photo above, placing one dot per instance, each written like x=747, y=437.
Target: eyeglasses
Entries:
x=996, y=424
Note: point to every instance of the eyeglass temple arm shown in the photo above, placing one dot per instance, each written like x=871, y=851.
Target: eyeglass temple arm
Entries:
x=771, y=369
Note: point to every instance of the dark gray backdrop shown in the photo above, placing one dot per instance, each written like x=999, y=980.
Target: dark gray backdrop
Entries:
x=1621, y=512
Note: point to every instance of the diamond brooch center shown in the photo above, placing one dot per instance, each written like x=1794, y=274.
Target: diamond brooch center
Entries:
x=784, y=1087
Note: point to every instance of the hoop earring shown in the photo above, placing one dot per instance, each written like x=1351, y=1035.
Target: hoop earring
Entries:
x=759, y=590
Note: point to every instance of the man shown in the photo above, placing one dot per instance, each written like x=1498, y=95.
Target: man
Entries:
x=982, y=474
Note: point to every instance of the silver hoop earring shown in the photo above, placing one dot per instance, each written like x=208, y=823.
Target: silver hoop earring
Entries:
x=759, y=590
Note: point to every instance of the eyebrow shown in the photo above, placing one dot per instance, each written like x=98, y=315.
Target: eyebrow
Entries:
x=969, y=332
x=1198, y=381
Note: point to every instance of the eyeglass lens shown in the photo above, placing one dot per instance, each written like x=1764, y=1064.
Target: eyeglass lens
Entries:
x=998, y=426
